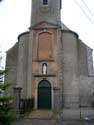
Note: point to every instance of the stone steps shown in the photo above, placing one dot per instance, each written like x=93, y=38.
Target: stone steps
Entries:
x=42, y=114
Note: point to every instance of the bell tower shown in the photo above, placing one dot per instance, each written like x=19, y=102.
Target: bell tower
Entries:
x=45, y=10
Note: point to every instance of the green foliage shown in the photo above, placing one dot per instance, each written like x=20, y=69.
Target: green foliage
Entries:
x=7, y=115
x=2, y=72
x=4, y=86
x=5, y=99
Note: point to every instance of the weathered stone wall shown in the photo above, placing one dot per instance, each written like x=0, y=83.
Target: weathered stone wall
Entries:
x=86, y=91
x=11, y=65
x=86, y=72
x=70, y=69
x=90, y=61
x=82, y=55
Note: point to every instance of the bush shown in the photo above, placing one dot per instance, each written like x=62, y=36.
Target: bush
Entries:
x=7, y=115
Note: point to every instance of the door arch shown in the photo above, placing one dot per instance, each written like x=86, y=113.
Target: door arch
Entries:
x=44, y=95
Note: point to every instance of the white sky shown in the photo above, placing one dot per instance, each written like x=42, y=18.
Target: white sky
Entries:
x=15, y=19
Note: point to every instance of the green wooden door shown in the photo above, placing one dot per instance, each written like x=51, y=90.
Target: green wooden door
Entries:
x=44, y=95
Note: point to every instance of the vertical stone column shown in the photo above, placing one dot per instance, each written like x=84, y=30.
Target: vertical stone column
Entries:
x=59, y=56
x=22, y=63
x=16, y=102
x=29, y=70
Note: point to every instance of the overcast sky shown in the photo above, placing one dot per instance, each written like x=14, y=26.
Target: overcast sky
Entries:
x=15, y=19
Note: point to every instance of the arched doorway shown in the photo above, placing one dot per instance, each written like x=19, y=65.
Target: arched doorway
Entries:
x=44, y=95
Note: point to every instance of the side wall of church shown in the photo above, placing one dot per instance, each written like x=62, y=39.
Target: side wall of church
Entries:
x=90, y=61
x=82, y=54
x=86, y=70
x=70, y=69
x=11, y=65
x=86, y=91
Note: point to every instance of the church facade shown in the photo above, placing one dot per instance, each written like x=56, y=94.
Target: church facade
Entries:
x=51, y=64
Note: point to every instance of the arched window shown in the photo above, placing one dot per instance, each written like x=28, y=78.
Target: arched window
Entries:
x=44, y=68
x=45, y=2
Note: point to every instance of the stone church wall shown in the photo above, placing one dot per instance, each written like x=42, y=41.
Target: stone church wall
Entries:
x=90, y=62
x=11, y=65
x=70, y=69
x=82, y=55
x=86, y=88
x=86, y=72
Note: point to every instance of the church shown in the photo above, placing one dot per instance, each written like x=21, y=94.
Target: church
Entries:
x=52, y=65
